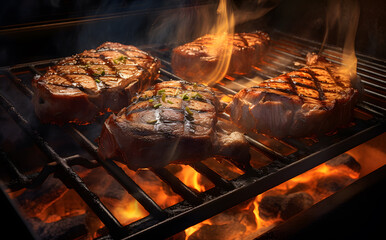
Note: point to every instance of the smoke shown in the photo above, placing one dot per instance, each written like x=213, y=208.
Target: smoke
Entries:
x=343, y=15
x=187, y=24
x=182, y=25
x=251, y=10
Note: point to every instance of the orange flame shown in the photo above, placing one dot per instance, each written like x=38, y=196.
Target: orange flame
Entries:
x=193, y=179
x=128, y=211
x=223, y=44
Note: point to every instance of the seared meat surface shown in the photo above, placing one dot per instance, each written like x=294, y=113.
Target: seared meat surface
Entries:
x=310, y=101
x=79, y=87
x=174, y=121
x=196, y=60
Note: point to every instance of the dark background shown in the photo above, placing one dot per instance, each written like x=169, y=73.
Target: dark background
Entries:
x=45, y=29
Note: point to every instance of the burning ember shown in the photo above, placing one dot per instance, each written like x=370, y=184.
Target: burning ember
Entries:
x=252, y=218
x=57, y=209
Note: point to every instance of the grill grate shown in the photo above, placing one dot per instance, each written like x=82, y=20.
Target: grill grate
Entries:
x=299, y=155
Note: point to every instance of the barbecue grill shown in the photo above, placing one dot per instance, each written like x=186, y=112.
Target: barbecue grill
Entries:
x=55, y=150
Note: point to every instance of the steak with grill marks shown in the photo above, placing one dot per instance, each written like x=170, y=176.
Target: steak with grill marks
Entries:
x=194, y=61
x=79, y=87
x=310, y=101
x=174, y=121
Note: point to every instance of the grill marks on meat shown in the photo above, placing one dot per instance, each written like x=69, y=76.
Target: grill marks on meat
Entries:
x=196, y=60
x=312, y=100
x=174, y=121
x=81, y=86
x=173, y=107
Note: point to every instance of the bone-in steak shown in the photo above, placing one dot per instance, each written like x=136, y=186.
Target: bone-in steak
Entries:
x=196, y=60
x=174, y=121
x=310, y=101
x=79, y=87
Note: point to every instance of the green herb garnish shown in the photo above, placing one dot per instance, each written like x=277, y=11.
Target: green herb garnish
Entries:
x=120, y=59
x=85, y=66
x=185, y=97
x=97, y=80
x=159, y=92
x=151, y=100
x=163, y=97
x=152, y=121
x=168, y=101
x=188, y=110
x=157, y=105
x=198, y=96
x=101, y=72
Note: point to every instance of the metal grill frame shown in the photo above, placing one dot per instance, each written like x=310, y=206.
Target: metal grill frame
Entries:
x=197, y=207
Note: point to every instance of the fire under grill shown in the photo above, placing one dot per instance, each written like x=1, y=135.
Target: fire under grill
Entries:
x=62, y=147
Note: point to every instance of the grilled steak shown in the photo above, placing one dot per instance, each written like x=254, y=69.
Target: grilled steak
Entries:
x=174, y=121
x=310, y=101
x=195, y=60
x=81, y=86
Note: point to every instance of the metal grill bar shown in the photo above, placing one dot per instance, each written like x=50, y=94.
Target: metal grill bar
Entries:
x=133, y=188
x=27, y=91
x=178, y=186
x=265, y=149
x=333, y=53
x=119, y=175
x=17, y=176
x=212, y=175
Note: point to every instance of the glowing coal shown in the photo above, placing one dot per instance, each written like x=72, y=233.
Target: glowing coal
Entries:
x=255, y=216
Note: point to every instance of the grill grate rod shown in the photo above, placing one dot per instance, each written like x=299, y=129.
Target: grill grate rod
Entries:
x=301, y=43
x=177, y=186
x=120, y=175
x=26, y=90
x=365, y=69
x=378, y=81
x=362, y=72
x=133, y=189
x=19, y=180
x=212, y=176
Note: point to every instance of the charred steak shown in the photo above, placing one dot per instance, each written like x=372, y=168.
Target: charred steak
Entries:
x=310, y=101
x=195, y=60
x=81, y=86
x=174, y=121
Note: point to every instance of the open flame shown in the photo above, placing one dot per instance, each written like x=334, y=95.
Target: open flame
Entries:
x=193, y=179
x=349, y=59
x=345, y=15
x=223, y=44
x=223, y=29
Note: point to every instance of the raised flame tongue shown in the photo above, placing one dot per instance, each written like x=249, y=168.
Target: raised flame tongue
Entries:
x=222, y=45
x=344, y=15
x=223, y=29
